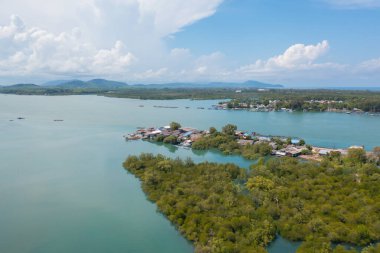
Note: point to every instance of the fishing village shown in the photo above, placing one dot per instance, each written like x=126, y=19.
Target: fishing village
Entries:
x=280, y=106
x=280, y=146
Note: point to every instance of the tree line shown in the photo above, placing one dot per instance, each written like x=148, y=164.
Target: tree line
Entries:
x=223, y=208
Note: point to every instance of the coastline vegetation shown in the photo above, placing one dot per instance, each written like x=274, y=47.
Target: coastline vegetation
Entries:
x=308, y=100
x=294, y=99
x=223, y=208
x=226, y=142
x=340, y=99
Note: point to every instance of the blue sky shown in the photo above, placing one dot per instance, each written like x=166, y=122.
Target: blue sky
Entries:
x=251, y=29
x=300, y=43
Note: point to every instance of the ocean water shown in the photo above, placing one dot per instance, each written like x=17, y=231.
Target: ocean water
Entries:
x=62, y=185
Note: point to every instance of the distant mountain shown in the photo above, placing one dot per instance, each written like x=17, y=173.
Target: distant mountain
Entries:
x=95, y=84
x=22, y=86
x=104, y=84
x=257, y=84
x=56, y=82
x=72, y=84
x=244, y=85
x=107, y=83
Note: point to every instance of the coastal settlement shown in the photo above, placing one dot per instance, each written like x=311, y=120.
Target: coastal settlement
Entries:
x=280, y=146
x=281, y=106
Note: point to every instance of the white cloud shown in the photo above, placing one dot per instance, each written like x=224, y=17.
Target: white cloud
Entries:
x=16, y=25
x=295, y=58
x=180, y=53
x=33, y=50
x=114, y=59
x=372, y=65
x=170, y=16
x=354, y=4
x=151, y=74
x=201, y=70
x=181, y=65
x=96, y=37
x=135, y=22
x=211, y=64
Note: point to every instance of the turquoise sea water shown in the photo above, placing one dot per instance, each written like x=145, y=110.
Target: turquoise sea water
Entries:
x=62, y=186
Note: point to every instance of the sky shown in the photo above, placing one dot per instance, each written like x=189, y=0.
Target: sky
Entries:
x=298, y=43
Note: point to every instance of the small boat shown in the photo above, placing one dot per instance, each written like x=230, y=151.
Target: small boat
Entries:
x=58, y=120
x=20, y=118
x=133, y=137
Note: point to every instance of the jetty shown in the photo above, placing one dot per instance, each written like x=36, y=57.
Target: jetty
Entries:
x=163, y=106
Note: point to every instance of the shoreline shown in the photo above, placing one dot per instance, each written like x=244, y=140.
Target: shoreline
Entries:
x=241, y=141
x=346, y=111
x=213, y=107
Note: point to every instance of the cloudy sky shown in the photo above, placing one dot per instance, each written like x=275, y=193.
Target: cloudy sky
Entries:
x=304, y=43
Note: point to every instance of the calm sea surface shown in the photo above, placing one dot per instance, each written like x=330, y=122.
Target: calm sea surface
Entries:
x=62, y=186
